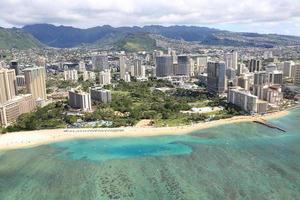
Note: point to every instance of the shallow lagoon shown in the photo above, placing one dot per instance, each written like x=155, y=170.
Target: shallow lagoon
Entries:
x=237, y=161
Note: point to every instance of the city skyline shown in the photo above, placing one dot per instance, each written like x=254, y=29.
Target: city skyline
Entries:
x=267, y=16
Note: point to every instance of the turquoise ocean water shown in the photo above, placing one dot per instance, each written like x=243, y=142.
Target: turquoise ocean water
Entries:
x=237, y=161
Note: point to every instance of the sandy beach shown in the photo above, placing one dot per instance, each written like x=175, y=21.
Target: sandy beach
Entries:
x=28, y=139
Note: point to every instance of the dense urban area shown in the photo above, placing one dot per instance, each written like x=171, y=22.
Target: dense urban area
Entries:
x=89, y=88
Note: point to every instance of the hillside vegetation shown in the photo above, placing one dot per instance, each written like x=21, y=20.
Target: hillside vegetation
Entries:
x=18, y=39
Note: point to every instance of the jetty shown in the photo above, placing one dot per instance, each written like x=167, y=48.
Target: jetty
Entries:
x=268, y=124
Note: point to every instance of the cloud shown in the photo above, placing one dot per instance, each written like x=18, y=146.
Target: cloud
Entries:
x=260, y=15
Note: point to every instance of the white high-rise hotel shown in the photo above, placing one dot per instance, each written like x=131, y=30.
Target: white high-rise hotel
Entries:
x=80, y=100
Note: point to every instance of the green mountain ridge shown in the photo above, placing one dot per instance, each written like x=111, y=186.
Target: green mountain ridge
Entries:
x=134, y=38
x=68, y=37
x=18, y=39
x=127, y=42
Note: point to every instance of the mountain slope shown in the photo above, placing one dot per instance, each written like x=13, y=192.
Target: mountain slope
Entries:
x=16, y=38
x=126, y=42
x=65, y=37
x=137, y=42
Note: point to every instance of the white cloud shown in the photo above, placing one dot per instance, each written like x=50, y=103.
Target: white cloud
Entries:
x=261, y=15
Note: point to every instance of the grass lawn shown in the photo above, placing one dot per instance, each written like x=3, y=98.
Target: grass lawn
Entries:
x=199, y=104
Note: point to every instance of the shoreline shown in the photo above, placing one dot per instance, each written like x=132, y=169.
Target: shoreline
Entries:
x=29, y=139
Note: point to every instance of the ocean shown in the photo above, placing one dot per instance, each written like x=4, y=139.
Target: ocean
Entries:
x=236, y=161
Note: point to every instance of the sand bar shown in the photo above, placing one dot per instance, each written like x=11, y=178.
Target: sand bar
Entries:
x=28, y=139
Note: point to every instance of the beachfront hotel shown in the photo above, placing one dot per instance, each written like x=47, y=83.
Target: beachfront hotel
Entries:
x=246, y=101
x=12, y=109
x=80, y=100
x=8, y=87
x=297, y=75
x=35, y=79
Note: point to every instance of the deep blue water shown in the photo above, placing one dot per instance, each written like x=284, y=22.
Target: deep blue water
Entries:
x=237, y=161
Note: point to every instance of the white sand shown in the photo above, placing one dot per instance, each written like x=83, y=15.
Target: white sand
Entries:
x=35, y=138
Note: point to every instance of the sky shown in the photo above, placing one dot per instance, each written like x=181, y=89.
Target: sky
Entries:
x=263, y=16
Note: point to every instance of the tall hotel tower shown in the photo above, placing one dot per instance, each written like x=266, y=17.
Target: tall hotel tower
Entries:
x=35, y=79
x=8, y=87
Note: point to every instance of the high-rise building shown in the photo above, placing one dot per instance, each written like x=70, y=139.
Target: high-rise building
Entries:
x=169, y=51
x=240, y=69
x=261, y=78
x=174, y=56
x=202, y=61
x=216, y=77
x=21, y=81
x=246, y=101
x=71, y=75
x=35, y=79
x=271, y=67
x=164, y=66
x=15, y=66
x=297, y=75
x=80, y=100
x=99, y=94
x=276, y=77
x=104, y=77
x=261, y=81
x=244, y=82
x=89, y=75
x=100, y=62
x=81, y=67
x=231, y=74
x=288, y=69
x=184, y=66
x=200, y=65
x=234, y=60
x=274, y=95
x=8, y=85
x=254, y=65
x=157, y=53
x=12, y=109
x=138, y=70
x=123, y=66
x=231, y=60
